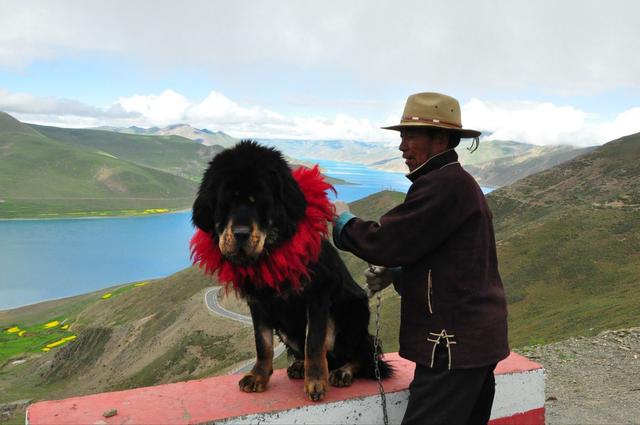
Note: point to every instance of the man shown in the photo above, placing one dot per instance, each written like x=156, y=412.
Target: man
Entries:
x=440, y=253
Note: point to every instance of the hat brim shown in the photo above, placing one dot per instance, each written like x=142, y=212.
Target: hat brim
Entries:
x=465, y=133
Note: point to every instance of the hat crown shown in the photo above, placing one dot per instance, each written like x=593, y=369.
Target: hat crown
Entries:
x=434, y=107
x=433, y=110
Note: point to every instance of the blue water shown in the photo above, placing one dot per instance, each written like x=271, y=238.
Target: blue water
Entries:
x=44, y=259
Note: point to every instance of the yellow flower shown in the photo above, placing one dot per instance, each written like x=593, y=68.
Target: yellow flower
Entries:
x=45, y=349
x=51, y=324
x=64, y=327
x=13, y=330
x=21, y=333
x=107, y=295
x=141, y=283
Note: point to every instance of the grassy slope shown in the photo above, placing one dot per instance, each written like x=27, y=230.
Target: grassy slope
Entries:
x=371, y=208
x=40, y=176
x=569, y=244
x=156, y=333
x=174, y=154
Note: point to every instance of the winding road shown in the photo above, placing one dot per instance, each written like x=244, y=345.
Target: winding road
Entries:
x=212, y=303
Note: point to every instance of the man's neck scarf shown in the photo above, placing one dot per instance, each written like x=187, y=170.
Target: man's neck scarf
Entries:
x=286, y=263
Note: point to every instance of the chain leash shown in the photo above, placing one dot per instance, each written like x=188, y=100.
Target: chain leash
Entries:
x=377, y=353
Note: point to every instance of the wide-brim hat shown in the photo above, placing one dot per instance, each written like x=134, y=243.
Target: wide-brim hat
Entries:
x=433, y=110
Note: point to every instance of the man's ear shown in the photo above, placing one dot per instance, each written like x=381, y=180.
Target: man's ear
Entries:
x=202, y=214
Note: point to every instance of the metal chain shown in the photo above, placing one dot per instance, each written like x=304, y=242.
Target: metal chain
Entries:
x=377, y=353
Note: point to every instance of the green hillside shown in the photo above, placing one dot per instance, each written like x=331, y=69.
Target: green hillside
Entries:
x=142, y=334
x=42, y=177
x=569, y=245
x=173, y=154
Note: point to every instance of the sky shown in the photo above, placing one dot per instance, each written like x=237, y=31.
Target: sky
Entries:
x=541, y=72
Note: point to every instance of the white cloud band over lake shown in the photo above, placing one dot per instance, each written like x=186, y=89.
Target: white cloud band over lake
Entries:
x=539, y=123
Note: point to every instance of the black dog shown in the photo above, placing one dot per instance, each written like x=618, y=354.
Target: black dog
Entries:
x=250, y=205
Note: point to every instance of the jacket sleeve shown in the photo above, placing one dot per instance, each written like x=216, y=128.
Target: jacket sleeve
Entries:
x=432, y=210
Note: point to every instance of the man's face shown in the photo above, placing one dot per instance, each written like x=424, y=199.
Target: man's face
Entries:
x=418, y=146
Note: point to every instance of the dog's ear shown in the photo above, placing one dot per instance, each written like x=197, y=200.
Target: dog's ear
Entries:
x=202, y=214
x=290, y=195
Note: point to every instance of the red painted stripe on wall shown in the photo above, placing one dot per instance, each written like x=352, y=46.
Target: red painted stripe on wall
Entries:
x=532, y=417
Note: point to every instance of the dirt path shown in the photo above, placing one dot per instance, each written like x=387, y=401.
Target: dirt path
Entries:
x=592, y=380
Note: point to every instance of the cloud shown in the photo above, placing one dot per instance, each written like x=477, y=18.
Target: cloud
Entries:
x=543, y=123
x=35, y=106
x=218, y=112
x=569, y=47
x=166, y=108
x=538, y=123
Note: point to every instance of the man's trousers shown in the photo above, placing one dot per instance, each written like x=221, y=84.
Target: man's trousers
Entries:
x=442, y=396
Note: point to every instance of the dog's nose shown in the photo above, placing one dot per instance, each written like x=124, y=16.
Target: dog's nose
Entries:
x=241, y=233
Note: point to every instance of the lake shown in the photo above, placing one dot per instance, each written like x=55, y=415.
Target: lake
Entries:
x=45, y=259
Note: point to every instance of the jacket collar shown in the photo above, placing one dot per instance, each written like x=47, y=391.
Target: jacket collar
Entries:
x=434, y=163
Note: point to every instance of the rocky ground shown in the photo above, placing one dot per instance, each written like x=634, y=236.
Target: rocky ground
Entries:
x=592, y=380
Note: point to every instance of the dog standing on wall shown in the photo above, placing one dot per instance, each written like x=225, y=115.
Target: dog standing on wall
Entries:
x=263, y=230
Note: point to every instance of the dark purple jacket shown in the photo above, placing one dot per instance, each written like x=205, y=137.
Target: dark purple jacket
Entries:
x=442, y=238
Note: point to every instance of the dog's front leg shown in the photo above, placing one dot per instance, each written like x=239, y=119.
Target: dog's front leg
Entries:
x=258, y=378
x=316, y=376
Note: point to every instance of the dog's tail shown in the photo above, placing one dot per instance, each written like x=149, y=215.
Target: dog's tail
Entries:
x=369, y=365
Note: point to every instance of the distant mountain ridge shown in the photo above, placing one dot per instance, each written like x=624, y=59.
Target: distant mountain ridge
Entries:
x=506, y=170
x=496, y=163
x=335, y=150
x=499, y=163
x=203, y=136
x=171, y=153
x=104, y=172
x=51, y=172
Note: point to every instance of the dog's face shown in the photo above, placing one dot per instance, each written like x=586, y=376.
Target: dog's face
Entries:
x=248, y=201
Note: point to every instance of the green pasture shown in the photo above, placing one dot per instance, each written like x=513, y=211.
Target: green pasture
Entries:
x=33, y=341
x=16, y=344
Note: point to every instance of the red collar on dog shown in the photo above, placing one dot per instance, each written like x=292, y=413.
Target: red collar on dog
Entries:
x=289, y=261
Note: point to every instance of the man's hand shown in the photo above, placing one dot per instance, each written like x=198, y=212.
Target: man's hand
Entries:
x=341, y=207
x=378, y=278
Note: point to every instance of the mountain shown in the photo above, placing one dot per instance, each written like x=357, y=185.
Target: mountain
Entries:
x=334, y=150
x=173, y=154
x=498, y=163
x=202, y=136
x=569, y=242
x=506, y=170
x=488, y=151
x=41, y=176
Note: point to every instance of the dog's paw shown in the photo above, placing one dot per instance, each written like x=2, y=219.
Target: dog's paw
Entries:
x=341, y=377
x=251, y=383
x=296, y=370
x=315, y=388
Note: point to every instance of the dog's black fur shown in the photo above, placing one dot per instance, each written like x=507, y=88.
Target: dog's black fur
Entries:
x=250, y=203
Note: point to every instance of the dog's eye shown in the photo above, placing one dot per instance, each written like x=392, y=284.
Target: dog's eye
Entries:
x=252, y=199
